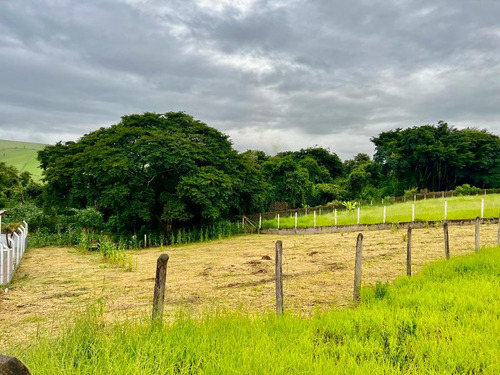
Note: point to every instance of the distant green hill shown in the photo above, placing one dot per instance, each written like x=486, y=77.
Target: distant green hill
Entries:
x=22, y=155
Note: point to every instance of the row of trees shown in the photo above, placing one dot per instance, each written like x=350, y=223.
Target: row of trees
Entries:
x=156, y=171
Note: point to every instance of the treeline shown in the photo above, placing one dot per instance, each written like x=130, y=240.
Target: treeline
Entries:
x=155, y=172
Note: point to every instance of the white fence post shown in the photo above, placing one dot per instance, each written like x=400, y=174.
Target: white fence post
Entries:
x=385, y=210
x=482, y=208
x=10, y=257
x=296, y=220
x=335, y=217
x=413, y=213
x=445, y=210
x=15, y=248
x=278, y=221
x=260, y=221
x=358, y=215
x=8, y=263
x=314, y=218
x=1, y=263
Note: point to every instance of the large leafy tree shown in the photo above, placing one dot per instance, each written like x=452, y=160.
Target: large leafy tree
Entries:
x=438, y=157
x=150, y=170
x=16, y=187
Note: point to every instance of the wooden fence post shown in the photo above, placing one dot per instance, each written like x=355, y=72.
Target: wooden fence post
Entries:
x=335, y=217
x=279, y=277
x=445, y=210
x=357, y=268
x=159, y=291
x=296, y=221
x=314, y=219
x=413, y=212
x=278, y=221
x=260, y=222
x=478, y=233
x=358, y=215
x=482, y=207
x=408, y=252
x=446, y=241
x=383, y=221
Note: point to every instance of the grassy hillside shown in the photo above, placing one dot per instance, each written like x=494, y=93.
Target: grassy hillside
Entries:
x=466, y=207
x=445, y=320
x=21, y=155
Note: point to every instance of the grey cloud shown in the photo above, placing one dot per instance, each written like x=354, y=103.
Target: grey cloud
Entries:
x=301, y=72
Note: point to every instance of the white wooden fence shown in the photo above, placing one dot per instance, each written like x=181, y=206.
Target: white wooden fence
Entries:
x=11, y=252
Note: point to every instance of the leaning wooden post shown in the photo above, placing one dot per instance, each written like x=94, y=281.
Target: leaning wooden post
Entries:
x=408, y=252
x=478, y=233
x=159, y=292
x=357, y=268
x=446, y=241
x=279, y=278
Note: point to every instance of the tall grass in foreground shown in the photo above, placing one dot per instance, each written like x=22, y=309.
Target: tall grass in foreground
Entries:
x=445, y=320
x=466, y=207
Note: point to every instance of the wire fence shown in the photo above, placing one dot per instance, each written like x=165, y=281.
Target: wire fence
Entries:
x=338, y=206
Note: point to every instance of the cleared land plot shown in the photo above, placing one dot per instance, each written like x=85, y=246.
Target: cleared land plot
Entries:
x=54, y=284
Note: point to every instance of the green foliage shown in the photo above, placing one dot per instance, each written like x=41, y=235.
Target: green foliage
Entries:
x=17, y=188
x=288, y=180
x=442, y=321
x=466, y=189
x=149, y=170
x=411, y=192
x=438, y=157
x=350, y=206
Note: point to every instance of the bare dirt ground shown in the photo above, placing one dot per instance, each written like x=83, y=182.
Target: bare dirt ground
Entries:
x=53, y=285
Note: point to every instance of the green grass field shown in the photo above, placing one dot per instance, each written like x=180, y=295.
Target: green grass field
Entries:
x=445, y=320
x=22, y=155
x=466, y=207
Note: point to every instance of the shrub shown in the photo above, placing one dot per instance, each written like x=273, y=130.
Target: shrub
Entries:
x=467, y=189
x=411, y=192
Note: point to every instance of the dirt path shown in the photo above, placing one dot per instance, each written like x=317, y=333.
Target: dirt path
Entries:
x=52, y=285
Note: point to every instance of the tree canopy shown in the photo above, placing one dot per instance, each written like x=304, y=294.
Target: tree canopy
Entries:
x=154, y=170
x=438, y=157
x=150, y=169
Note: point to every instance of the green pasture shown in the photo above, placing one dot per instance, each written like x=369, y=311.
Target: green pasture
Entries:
x=465, y=207
x=445, y=320
x=22, y=155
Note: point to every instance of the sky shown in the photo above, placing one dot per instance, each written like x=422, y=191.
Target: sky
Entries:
x=273, y=75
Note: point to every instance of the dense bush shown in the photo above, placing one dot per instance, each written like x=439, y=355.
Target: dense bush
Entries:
x=466, y=189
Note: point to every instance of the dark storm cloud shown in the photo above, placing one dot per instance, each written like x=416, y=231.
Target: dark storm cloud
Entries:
x=273, y=75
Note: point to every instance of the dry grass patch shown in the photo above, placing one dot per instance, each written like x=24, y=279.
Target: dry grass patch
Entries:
x=53, y=284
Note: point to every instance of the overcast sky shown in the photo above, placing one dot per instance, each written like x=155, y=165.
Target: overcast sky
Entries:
x=273, y=75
